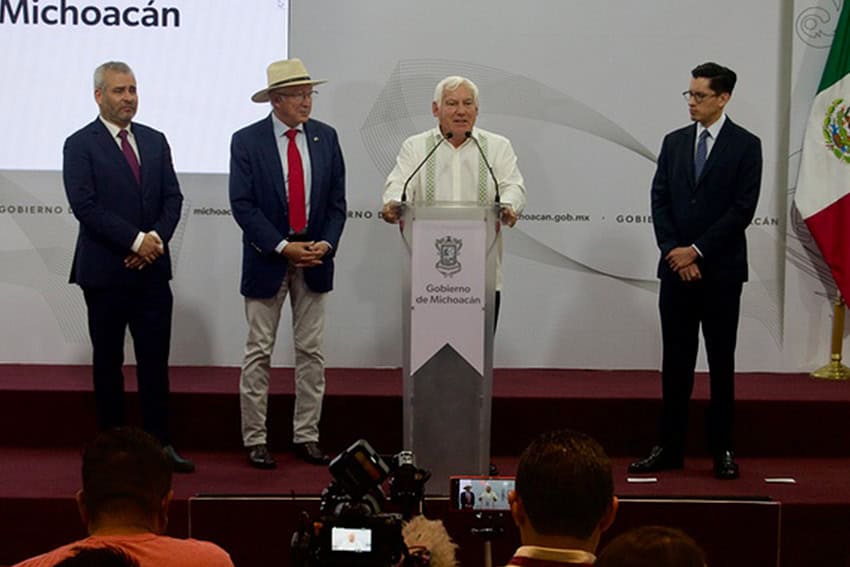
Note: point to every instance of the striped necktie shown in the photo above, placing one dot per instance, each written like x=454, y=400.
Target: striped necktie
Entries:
x=701, y=155
x=130, y=155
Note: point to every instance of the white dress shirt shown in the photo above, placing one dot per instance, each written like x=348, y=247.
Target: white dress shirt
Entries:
x=458, y=174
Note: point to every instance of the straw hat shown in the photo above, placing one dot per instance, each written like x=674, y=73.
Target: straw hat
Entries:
x=286, y=73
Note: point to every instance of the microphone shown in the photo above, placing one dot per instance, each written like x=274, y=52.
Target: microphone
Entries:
x=487, y=163
x=443, y=138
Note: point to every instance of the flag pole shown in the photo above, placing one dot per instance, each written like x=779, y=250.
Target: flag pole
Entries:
x=835, y=370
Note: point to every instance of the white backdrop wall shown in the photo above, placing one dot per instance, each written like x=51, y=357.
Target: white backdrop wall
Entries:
x=585, y=89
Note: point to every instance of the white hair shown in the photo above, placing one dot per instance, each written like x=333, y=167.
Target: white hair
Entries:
x=451, y=83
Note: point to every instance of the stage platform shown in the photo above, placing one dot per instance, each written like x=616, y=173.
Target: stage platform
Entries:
x=789, y=427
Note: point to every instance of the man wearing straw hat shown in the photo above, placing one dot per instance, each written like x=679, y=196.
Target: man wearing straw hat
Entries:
x=287, y=193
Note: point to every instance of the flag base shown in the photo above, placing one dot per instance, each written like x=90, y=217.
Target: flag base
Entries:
x=832, y=371
x=835, y=370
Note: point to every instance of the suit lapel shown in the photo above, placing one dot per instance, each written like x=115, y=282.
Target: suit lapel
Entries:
x=315, y=145
x=690, y=139
x=144, y=143
x=110, y=148
x=717, y=149
x=272, y=162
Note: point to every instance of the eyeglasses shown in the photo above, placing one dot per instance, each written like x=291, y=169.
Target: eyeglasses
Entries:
x=698, y=97
x=299, y=97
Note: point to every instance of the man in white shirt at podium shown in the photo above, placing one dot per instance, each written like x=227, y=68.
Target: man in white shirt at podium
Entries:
x=455, y=161
x=489, y=499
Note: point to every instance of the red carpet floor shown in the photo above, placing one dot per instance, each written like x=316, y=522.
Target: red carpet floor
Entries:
x=789, y=426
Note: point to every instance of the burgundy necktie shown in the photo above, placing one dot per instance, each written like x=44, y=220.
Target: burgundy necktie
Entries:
x=130, y=155
x=297, y=210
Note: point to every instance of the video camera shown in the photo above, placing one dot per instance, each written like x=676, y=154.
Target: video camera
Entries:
x=353, y=527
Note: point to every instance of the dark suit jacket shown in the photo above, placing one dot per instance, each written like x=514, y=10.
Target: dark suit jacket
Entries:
x=467, y=499
x=259, y=204
x=712, y=212
x=112, y=208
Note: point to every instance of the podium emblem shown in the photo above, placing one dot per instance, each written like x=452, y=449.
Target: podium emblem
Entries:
x=448, y=249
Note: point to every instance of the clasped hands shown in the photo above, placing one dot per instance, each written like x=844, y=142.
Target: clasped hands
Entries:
x=151, y=249
x=305, y=254
x=682, y=260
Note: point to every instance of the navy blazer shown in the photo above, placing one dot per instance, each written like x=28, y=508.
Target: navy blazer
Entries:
x=259, y=204
x=113, y=208
x=712, y=212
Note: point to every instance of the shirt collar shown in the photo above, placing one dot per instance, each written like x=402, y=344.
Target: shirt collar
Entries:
x=555, y=554
x=280, y=128
x=114, y=129
x=714, y=129
x=437, y=133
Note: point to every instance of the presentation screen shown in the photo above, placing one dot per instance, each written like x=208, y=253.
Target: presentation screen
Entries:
x=197, y=63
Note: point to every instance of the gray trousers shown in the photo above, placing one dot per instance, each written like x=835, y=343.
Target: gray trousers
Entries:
x=308, y=321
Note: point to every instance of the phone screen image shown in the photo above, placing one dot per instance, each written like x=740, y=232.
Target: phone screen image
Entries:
x=481, y=493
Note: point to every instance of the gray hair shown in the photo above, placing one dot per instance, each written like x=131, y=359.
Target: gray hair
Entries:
x=451, y=83
x=113, y=66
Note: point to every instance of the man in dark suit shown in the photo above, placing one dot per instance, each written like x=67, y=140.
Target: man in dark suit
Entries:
x=287, y=192
x=122, y=188
x=704, y=196
x=467, y=498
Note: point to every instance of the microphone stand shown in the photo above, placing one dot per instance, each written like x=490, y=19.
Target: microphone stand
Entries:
x=497, y=199
x=443, y=138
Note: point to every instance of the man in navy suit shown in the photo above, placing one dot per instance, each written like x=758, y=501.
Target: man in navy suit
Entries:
x=287, y=192
x=122, y=188
x=704, y=196
x=467, y=498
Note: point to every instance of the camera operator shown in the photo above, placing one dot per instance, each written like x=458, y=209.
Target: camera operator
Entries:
x=563, y=501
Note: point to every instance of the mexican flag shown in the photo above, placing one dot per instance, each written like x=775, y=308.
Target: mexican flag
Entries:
x=823, y=186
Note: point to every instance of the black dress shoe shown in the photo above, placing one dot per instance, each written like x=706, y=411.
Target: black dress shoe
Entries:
x=312, y=453
x=259, y=457
x=659, y=459
x=178, y=463
x=725, y=467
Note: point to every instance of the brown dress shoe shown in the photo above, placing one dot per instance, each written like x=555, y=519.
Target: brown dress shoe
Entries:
x=311, y=453
x=259, y=457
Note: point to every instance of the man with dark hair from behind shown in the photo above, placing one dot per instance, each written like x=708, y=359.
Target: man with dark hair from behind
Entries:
x=124, y=504
x=98, y=557
x=563, y=501
x=652, y=546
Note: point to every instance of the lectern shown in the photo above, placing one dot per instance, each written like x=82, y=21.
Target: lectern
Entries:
x=448, y=304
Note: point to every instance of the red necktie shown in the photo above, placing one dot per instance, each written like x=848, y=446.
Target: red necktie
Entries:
x=130, y=155
x=297, y=210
